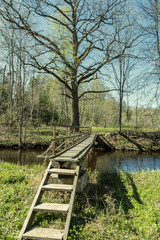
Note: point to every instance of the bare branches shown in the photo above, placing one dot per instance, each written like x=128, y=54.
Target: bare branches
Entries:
x=84, y=41
x=80, y=27
x=23, y=24
x=94, y=91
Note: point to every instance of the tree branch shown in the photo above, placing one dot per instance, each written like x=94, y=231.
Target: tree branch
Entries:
x=94, y=91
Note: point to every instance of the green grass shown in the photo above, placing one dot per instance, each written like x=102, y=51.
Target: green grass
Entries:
x=123, y=206
x=17, y=189
x=43, y=135
x=114, y=206
x=31, y=136
x=102, y=130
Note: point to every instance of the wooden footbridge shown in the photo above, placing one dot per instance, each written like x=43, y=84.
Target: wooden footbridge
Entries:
x=66, y=163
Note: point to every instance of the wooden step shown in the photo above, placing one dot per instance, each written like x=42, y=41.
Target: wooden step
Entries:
x=58, y=187
x=44, y=233
x=66, y=159
x=52, y=207
x=62, y=171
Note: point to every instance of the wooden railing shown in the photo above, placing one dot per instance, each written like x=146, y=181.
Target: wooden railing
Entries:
x=74, y=134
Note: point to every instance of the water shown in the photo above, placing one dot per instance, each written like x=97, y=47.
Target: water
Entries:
x=100, y=160
x=126, y=161
x=21, y=156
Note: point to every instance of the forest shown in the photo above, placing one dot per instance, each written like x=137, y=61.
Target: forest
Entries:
x=93, y=63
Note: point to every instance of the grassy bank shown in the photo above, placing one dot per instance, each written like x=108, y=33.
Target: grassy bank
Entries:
x=114, y=206
x=120, y=206
x=42, y=136
x=17, y=189
x=31, y=137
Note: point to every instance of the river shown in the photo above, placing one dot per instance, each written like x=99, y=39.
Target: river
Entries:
x=100, y=160
x=126, y=161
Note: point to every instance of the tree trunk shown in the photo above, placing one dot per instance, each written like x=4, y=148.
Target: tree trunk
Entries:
x=12, y=71
x=2, y=85
x=75, y=105
x=20, y=127
x=20, y=105
x=32, y=99
x=66, y=104
x=120, y=92
x=120, y=114
x=83, y=110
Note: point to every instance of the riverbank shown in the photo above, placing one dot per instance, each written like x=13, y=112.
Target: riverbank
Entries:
x=31, y=138
x=40, y=138
x=134, y=141
x=114, y=206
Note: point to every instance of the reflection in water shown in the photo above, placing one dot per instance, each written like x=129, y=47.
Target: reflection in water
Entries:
x=100, y=160
x=126, y=161
x=20, y=156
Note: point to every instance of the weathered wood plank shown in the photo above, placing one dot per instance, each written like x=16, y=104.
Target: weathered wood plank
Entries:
x=77, y=151
x=58, y=187
x=62, y=171
x=73, y=154
x=71, y=204
x=52, y=207
x=66, y=150
x=30, y=216
x=44, y=233
x=65, y=159
x=60, y=153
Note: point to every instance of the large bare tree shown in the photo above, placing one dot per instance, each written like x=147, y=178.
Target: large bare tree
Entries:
x=89, y=32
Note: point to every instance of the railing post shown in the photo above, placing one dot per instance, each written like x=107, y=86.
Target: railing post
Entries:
x=78, y=132
x=66, y=140
x=54, y=142
x=73, y=135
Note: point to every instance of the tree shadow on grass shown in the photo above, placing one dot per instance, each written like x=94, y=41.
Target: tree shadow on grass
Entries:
x=109, y=193
x=115, y=181
x=108, y=196
x=135, y=194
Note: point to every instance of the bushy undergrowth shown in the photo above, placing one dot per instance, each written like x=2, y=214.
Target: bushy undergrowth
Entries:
x=114, y=206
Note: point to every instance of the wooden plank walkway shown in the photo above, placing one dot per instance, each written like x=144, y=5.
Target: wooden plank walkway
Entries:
x=76, y=153
x=73, y=155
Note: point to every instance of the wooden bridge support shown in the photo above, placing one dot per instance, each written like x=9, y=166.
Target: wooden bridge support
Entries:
x=69, y=165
